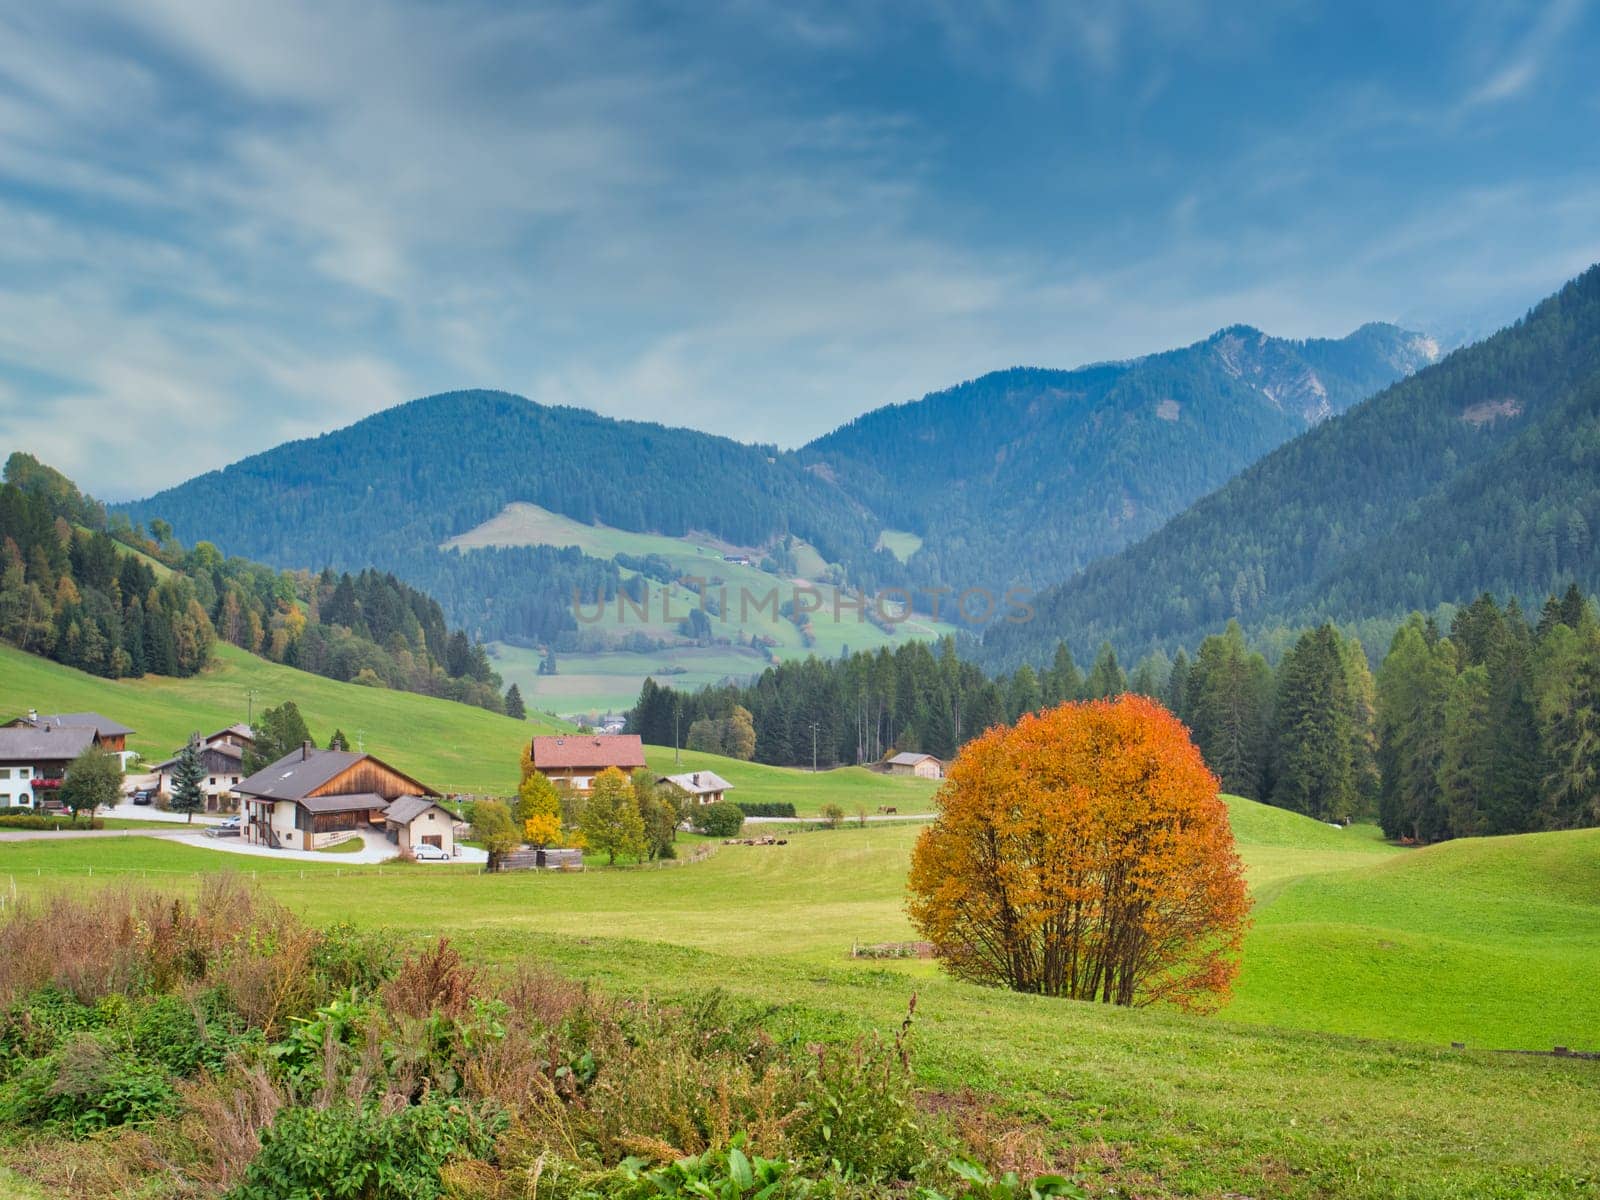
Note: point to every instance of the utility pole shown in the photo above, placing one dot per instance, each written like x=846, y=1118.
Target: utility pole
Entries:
x=250, y=700
x=360, y=743
x=813, y=747
x=677, y=755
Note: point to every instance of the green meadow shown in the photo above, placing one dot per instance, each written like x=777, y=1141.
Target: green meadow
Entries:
x=1330, y=1073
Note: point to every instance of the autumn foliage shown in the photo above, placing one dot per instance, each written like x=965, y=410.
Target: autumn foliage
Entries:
x=1085, y=853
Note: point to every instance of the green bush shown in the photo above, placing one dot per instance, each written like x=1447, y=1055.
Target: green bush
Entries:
x=84, y=1087
x=722, y=819
x=729, y=1174
x=27, y=819
x=40, y=1023
x=978, y=1184
x=765, y=808
x=364, y=1152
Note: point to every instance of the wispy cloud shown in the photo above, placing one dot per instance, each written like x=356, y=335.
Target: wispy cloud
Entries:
x=223, y=224
x=1519, y=70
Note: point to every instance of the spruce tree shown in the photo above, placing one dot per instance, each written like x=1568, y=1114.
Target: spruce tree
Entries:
x=1105, y=677
x=1313, y=731
x=187, y=773
x=515, y=708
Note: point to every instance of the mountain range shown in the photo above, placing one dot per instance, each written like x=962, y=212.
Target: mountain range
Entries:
x=1481, y=472
x=1022, y=477
x=1018, y=477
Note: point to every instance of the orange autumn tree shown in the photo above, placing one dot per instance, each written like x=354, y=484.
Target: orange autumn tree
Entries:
x=1084, y=853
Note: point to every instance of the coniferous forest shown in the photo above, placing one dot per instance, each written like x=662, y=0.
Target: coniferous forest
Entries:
x=1489, y=726
x=1480, y=472
x=114, y=600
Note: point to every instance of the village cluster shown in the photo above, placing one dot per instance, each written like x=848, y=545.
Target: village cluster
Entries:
x=312, y=799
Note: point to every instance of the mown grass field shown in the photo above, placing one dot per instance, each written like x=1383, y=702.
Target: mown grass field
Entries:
x=1490, y=942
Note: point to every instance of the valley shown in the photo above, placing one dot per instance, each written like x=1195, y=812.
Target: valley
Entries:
x=620, y=643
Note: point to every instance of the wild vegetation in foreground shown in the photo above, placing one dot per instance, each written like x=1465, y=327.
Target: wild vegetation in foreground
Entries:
x=1488, y=942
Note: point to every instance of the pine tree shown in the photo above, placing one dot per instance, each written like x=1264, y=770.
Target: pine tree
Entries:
x=1023, y=693
x=1177, y=695
x=1466, y=774
x=1569, y=725
x=515, y=708
x=1105, y=677
x=187, y=773
x=338, y=741
x=1229, y=692
x=1062, y=681
x=1313, y=731
x=1413, y=688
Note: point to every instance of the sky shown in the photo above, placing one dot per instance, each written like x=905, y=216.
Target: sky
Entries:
x=228, y=224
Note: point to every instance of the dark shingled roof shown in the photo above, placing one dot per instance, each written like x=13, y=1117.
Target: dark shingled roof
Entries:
x=355, y=802
x=407, y=809
x=93, y=720
x=26, y=743
x=297, y=773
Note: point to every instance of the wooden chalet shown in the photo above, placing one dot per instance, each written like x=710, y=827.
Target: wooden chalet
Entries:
x=109, y=735
x=313, y=798
x=223, y=764
x=573, y=760
x=34, y=757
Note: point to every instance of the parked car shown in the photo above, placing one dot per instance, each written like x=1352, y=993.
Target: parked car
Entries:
x=228, y=828
x=143, y=796
x=427, y=853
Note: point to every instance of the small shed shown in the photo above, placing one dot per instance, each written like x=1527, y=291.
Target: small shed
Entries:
x=923, y=766
x=412, y=821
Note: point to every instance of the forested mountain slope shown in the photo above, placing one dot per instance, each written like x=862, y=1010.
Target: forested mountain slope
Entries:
x=388, y=490
x=1023, y=476
x=1477, y=473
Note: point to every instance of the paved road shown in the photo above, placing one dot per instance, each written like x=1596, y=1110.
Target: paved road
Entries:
x=149, y=812
x=66, y=831
x=375, y=847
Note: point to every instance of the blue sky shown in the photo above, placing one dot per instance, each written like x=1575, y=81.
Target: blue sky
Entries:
x=225, y=224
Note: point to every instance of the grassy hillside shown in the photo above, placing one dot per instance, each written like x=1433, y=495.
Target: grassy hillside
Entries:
x=1257, y=1101
x=453, y=747
x=747, y=600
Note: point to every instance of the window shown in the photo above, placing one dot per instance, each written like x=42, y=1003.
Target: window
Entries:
x=5, y=772
x=24, y=772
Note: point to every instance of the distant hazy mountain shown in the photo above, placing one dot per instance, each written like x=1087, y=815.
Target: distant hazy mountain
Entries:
x=1024, y=476
x=1481, y=472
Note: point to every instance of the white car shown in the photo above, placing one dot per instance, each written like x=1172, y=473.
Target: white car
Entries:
x=425, y=853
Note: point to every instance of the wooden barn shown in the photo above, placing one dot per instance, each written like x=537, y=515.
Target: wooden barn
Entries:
x=313, y=798
x=923, y=766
